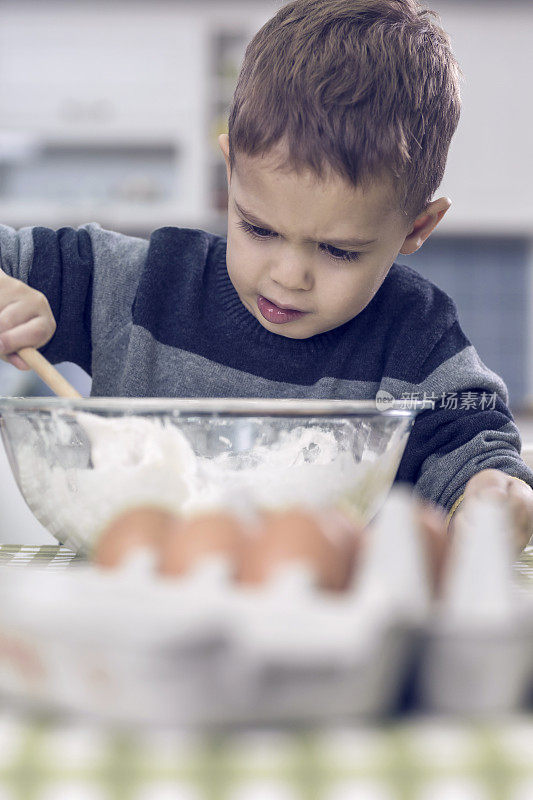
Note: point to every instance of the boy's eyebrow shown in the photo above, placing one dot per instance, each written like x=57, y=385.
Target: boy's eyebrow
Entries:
x=333, y=242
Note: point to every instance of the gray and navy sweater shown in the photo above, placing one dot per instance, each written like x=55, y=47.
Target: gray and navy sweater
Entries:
x=161, y=318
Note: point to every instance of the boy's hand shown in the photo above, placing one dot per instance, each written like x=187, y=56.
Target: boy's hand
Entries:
x=26, y=319
x=518, y=497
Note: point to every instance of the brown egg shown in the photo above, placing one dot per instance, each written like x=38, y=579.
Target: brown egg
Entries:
x=140, y=527
x=323, y=540
x=208, y=533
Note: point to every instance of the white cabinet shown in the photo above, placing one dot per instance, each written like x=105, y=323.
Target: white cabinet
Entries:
x=91, y=82
x=490, y=166
x=89, y=79
x=109, y=64
x=122, y=103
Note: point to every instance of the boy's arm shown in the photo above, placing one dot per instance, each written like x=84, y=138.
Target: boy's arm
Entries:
x=88, y=276
x=469, y=430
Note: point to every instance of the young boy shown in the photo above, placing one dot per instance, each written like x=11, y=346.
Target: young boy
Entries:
x=338, y=137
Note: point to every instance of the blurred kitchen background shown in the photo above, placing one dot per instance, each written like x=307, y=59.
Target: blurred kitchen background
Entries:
x=110, y=112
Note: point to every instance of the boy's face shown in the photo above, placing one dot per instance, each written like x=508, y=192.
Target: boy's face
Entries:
x=288, y=255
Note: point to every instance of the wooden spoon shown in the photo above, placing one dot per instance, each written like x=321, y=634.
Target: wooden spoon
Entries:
x=49, y=374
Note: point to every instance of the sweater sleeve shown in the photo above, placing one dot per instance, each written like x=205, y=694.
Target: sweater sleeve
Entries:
x=88, y=275
x=469, y=428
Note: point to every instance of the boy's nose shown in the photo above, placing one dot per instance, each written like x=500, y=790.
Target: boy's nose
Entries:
x=293, y=274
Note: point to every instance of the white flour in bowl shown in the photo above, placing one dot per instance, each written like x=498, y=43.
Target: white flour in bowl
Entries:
x=136, y=461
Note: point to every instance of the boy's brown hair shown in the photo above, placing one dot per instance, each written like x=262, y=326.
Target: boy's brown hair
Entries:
x=359, y=86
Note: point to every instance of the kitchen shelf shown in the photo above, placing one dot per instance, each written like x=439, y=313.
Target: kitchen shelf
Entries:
x=84, y=135
x=115, y=216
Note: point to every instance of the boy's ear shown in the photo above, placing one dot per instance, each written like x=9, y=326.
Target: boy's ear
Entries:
x=424, y=224
x=223, y=141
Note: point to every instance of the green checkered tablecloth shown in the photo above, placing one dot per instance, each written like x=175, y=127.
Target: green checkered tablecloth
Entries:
x=525, y=565
x=410, y=759
x=49, y=557
x=426, y=759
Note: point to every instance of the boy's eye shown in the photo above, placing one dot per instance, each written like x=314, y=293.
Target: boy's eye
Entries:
x=333, y=252
x=340, y=255
x=261, y=233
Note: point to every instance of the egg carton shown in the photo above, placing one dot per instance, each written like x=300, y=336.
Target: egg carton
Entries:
x=128, y=646
x=196, y=654
x=107, y=647
x=131, y=647
x=477, y=658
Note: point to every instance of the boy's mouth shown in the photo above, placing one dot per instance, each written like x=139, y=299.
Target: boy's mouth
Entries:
x=273, y=313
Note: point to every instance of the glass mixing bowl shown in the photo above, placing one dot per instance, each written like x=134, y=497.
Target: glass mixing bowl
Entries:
x=79, y=462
